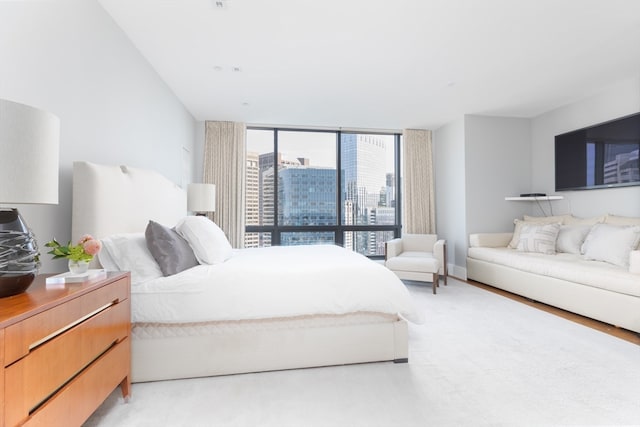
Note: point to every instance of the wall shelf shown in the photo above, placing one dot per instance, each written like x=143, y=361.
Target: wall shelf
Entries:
x=532, y=199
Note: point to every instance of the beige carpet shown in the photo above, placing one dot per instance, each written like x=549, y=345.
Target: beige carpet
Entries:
x=479, y=360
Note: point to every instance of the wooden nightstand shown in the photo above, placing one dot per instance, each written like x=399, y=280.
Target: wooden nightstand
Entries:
x=64, y=349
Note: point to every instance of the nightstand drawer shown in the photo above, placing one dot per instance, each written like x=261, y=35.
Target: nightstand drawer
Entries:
x=77, y=400
x=21, y=337
x=46, y=368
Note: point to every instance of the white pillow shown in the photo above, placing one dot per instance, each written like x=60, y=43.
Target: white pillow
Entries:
x=547, y=219
x=540, y=238
x=571, y=238
x=129, y=252
x=611, y=243
x=574, y=220
x=105, y=259
x=621, y=220
x=634, y=262
x=513, y=244
x=207, y=240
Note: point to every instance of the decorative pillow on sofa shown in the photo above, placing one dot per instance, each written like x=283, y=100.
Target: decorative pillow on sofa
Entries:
x=536, y=221
x=129, y=252
x=547, y=219
x=611, y=243
x=621, y=220
x=574, y=220
x=571, y=238
x=172, y=253
x=540, y=238
x=207, y=240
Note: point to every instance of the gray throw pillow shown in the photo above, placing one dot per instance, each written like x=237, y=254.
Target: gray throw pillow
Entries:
x=172, y=253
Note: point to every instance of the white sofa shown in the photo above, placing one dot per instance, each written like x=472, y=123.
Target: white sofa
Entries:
x=594, y=272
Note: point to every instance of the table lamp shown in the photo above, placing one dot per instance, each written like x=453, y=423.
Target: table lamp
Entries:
x=29, y=150
x=201, y=198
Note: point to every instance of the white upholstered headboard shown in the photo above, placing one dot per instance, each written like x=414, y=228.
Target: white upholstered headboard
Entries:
x=119, y=199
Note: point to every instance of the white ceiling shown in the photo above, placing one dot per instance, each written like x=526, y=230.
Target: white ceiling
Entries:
x=382, y=64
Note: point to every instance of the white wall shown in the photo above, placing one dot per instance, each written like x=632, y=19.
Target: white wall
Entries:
x=68, y=57
x=479, y=161
x=449, y=165
x=199, y=148
x=620, y=99
x=498, y=164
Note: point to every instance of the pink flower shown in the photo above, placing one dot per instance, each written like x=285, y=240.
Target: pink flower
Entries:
x=85, y=239
x=92, y=246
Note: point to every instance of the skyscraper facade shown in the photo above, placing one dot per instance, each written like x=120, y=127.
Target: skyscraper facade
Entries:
x=367, y=187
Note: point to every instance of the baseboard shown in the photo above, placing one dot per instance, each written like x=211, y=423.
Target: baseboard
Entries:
x=457, y=272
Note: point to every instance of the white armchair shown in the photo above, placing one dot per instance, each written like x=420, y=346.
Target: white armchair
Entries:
x=417, y=257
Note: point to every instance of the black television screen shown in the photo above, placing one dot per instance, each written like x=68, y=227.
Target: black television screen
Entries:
x=600, y=156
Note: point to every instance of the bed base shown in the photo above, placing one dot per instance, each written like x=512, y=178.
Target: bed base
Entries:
x=243, y=351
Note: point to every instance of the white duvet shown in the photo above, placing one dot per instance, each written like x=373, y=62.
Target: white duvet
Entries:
x=279, y=281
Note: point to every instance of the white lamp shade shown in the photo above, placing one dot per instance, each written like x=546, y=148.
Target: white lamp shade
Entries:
x=201, y=198
x=29, y=144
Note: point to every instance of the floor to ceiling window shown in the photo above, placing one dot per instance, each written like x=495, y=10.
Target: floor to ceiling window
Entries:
x=322, y=187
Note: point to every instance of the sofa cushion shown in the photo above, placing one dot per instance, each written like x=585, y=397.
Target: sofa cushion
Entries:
x=539, y=238
x=518, y=224
x=571, y=238
x=574, y=220
x=570, y=267
x=634, y=262
x=422, y=262
x=611, y=243
x=621, y=220
x=418, y=242
x=547, y=219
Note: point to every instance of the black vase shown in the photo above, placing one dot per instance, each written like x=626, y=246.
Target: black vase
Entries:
x=19, y=256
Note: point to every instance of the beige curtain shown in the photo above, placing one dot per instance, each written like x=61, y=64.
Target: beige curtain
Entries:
x=418, y=190
x=224, y=166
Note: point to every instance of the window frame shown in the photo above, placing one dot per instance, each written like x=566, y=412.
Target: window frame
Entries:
x=339, y=229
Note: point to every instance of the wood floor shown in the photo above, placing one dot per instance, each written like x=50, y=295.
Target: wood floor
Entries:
x=624, y=334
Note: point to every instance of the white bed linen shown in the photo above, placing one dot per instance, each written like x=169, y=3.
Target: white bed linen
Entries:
x=273, y=282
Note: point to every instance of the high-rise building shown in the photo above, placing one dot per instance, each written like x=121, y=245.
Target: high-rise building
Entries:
x=306, y=196
x=252, y=201
x=623, y=167
x=390, y=191
x=364, y=183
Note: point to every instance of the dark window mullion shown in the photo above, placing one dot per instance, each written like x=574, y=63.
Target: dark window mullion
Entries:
x=275, y=235
x=397, y=148
x=339, y=234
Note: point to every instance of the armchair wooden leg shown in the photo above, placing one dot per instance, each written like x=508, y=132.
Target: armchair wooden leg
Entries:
x=444, y=267
x=435, y=282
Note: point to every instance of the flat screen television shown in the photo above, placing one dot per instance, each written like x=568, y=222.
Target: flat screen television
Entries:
x=600, y=156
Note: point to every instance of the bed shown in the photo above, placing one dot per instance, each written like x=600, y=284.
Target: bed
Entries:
x=258, y=310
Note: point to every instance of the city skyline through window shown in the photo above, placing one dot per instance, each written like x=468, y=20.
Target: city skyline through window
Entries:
x=293, y=196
